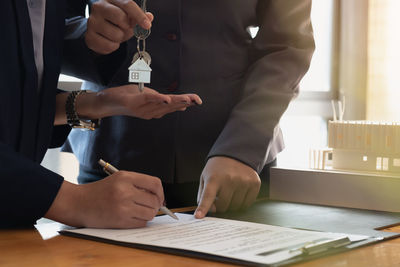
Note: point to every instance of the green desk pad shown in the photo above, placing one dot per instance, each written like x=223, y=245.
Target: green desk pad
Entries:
x=318, y=218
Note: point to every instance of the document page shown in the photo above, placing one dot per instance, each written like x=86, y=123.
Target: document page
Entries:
x=252, y=242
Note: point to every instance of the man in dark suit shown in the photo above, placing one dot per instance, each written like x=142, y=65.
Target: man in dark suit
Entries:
x=32, y=36
x=223, y=148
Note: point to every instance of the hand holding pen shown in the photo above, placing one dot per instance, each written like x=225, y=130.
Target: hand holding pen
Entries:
x=109, y=169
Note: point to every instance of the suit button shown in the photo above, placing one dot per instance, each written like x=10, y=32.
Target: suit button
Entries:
x=173, y=86
x=171, y=37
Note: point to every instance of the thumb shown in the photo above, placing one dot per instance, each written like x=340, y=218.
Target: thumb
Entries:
x=206, y=201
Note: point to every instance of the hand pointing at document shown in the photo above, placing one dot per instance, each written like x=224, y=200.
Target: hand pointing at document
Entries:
x=226, y=184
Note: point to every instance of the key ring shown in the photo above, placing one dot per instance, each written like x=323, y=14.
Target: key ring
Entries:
x=143, y=41
x=144, y=2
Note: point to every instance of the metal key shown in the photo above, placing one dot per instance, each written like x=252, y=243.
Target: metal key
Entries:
x=144, y=55
x=141, y=34
x=146, y=58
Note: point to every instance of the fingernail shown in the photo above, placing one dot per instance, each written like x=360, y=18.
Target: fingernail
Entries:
x=146, y=23
x=198, y=214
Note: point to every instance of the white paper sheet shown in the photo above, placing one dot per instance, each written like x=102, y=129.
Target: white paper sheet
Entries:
x=253, y=242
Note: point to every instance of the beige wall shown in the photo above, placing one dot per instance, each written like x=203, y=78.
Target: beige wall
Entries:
x=383, y=91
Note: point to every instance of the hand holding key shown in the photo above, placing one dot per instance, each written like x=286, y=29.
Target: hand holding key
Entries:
x=112, y=22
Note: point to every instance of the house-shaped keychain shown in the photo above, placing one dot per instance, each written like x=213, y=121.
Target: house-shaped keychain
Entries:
x=139, y=72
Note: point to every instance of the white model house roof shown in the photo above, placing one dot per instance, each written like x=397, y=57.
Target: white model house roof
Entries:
x=140, y=65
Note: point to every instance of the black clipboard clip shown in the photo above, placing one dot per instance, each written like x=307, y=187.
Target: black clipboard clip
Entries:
x=311, y=248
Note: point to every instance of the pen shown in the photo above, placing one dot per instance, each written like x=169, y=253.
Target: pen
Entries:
x=110, y=169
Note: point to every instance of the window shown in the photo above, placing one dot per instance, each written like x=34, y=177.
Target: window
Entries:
x=367, y=49
x=304, y=124
x=319, y=77
x=69, y=83
x=135, y=75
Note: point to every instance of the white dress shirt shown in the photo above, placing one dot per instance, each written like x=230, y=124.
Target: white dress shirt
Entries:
x=37, y=12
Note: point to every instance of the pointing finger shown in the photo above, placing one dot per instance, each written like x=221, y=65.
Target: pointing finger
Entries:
x=207, y=200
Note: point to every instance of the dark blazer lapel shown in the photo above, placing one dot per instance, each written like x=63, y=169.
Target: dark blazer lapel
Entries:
x=29, y=90
x=52, y=46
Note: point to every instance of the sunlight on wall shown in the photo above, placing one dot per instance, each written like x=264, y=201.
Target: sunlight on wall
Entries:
x=383, y=92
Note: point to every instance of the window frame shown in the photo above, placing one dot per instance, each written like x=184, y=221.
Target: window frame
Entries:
x=310, y=103
x=353, y=62
x=349, y=65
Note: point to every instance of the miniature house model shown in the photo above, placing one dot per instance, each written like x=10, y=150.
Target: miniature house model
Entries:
x=139, y=72
x=365, y=146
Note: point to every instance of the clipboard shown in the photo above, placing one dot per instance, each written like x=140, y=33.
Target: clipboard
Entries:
x=303, y=257
x=266, y=251
x=319, y=218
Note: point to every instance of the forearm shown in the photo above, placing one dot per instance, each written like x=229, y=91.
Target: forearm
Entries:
x=123, y=100
x=65, y=207
x=27, y=190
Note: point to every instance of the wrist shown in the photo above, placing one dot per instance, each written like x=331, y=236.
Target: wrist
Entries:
x=231, y=160
x=93, y=105
x=85, y=105
x=66, y=207
x=79, y=109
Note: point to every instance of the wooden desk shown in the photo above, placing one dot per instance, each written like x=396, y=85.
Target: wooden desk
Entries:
x=45, y=247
